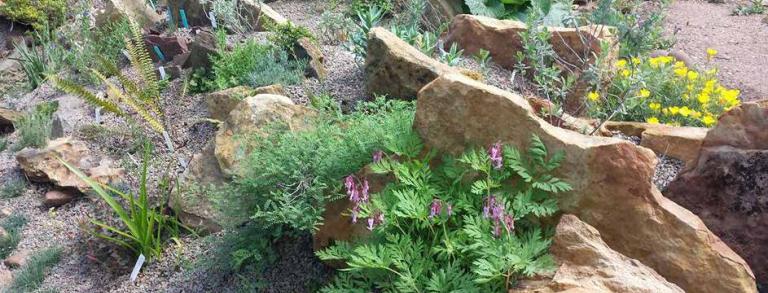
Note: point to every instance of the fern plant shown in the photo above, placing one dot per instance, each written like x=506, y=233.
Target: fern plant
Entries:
x=470, y=225
x=141, y=97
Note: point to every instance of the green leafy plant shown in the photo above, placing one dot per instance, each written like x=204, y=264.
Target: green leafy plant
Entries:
x=142, y=97
x=483, y=57
x=32, y=274
x=37, y=13
x=470, y=225
x=145, y=226
x=358, y=6
x=452, y=56
x=286, y=35
x=334, y=27
x=45, y=58
x=358, y=39
x=255, y=64
x=13, y=188
x=229, y=15
x=539, y=61
x=12, y=225
x=425, y=41
x=638, y=33
x=3, y=143
x=34, y=128
x=754, y=7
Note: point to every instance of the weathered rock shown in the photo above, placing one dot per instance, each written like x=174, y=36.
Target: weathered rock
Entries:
x=56, y=198
x=43, y=165
x=170, y=46
x=728, y=185
x=743, y=127
x=251, y=117
x=307, y=49
x=200, y=50
x=194, y=11
x=395, y=68
x=683, y=143
x=447, y=9
x=195, y=206
x=576, y=47
x=135, y=9
x=222, y=102
x=17, y=259
x=586, y=262
x=257, y=13
x=3, y=233
x=5, y=212
x=7, y=118
x=6, y=278
x=611, y=181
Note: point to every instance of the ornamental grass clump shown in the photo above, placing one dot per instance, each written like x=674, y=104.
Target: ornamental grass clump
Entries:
x=663, y=90
x=473, y=224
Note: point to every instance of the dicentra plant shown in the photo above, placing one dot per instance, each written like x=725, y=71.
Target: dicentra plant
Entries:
x=146, y=227
x=472, y=224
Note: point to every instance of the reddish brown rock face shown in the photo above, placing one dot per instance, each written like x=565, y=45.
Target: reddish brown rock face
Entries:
x=728, y=186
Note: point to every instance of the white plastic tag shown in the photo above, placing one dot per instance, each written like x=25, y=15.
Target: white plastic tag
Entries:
x=162, y=72
x=137, y=267
x=213, y=20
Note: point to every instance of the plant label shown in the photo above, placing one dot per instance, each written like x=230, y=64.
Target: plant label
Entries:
x=137, y=267
x=162, y=72
x=183, y=16
x=213, y=20
x=159, y=53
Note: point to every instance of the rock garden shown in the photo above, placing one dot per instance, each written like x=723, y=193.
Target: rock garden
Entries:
x=383, y=146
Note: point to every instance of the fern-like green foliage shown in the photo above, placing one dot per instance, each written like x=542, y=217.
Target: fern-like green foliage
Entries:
x=473, y=224
x=141, y=97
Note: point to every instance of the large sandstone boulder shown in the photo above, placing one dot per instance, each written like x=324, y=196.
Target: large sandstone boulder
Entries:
x=728, y=184
x=306, y=49
x=397, y=69
x=195, y=206
x=586, y=263
x=576, y=47
x=611, y=180
x=43, y=165
x=251, y=118
x=221, y=103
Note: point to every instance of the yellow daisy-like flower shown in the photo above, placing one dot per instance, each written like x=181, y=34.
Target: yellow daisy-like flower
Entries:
x=695, y=114
x=711, y=53
x=681, y=72
x=625, y=72
x=593, y=96
x=644, y=93
x=652, y=120
x=674, y=110
x=665, y=111
x=621, y=63
x=636, y=61
x=731, y=95
x=703, y=98
x=654, y=62
x=685, y=111
x=708, y=120
x=680, y=64
x=654, y=106
x=693, y=75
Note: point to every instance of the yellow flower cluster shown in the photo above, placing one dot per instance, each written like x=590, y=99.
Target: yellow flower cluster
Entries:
x=664, y=90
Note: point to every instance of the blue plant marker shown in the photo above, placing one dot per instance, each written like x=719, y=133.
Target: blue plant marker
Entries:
x=159, y=53
x=183, y=16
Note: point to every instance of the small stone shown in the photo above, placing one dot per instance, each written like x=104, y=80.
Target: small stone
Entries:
x=6, y=277
x=55, y=198
x=3, y=233
x=5, y=212
x=17, y=259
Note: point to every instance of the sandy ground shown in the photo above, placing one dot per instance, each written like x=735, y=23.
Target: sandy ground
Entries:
x=742, y=43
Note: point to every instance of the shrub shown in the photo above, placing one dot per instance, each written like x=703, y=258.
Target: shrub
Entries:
x=471, y=225
x=34, y=128
x=637, y=34
x=12, y=225
x=358, y=39
x=286, y=35
x=37, y=61
x=37, y=13
x=254, y=63
x=145, y=225
x=358, y=6
x=334, y=28
x=33, y=273
x=13, y=188
x=663, y=90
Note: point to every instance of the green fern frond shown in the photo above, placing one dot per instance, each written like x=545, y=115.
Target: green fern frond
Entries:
x=116, y=92
x=140, y=60
x=131, y=88
x=74, y=89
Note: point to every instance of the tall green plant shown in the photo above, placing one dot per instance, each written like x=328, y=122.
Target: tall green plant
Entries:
x=358, y=39
x=145, y=226
x=471, y=225
x=143, y=97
